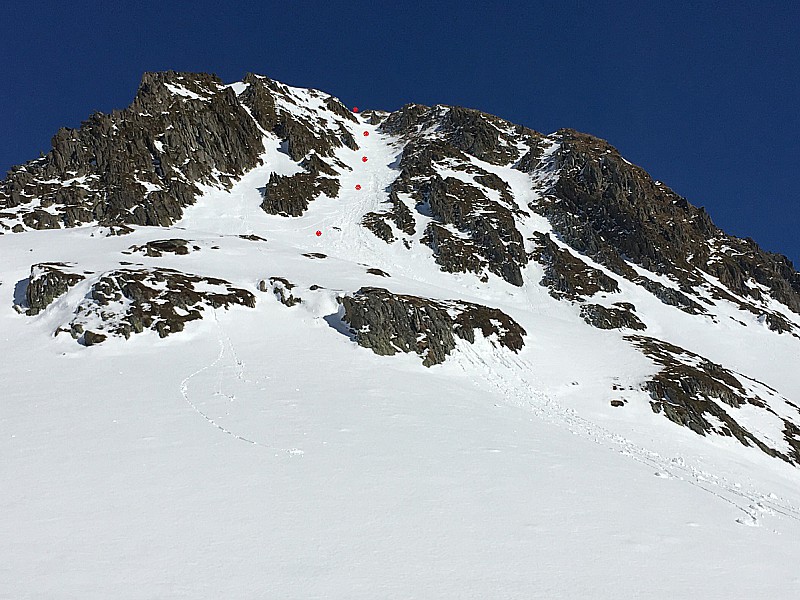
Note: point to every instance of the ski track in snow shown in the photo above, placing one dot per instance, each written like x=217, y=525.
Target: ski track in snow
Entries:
x=505, y=373
x=225, y=342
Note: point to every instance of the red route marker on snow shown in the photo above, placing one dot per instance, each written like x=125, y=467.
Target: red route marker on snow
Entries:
x=358, y=187
x=355, y=109
x=319, y=233
x=363, y=159
x=366, y=133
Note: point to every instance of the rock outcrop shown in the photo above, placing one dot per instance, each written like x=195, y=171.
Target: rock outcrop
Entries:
x=614, y=212
x=605, y=317
x=132, y=300
x=157, y=248
x=140, y=165
x=688, y=391
x=567, y=276
x=474, y=228
x=282, y=289
x=389, y=323
x=289, y=195
x=47, y=282
x=143, y=165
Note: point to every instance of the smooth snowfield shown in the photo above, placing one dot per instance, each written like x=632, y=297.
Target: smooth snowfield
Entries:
x=262, y=454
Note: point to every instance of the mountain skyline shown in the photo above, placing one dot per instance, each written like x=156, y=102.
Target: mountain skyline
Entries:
x=696, y=95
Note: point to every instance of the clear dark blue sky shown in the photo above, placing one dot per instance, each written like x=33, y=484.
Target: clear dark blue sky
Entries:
x=706, y=98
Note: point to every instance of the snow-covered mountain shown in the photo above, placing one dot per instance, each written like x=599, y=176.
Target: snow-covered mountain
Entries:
x=258, y=344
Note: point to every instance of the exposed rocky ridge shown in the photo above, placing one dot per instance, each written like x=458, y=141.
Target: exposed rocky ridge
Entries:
x=143, y=165
x=310, y=139
x=388, y=323
x=614, y=212
x=689, y=388
x=484, y=136
x=268, y=101
x=140, y=165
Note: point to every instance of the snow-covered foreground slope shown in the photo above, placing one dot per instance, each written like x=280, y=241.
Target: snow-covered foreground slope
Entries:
x=368, y=477
x=261, y=453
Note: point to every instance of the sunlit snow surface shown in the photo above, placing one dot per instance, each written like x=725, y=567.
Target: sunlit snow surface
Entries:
x=262, y=454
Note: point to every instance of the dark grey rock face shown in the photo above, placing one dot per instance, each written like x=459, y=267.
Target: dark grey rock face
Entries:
x=566, y=276
x=289, y=195
x=48, y=281
x=484, y=136
x=490, y=225
x=310, y=140
x=378, y=272
x=398, y=213
x=615, y=212
x=604, y=317
x=388, y=323
x=670, y=296
x=377, y=224
x=689, y=388
x=259, y=98
x=453, y=252
x=778, y=324
x=132, y=300
x=302, y=135
x=484, y=234
x=141, y=165
x=91, y=338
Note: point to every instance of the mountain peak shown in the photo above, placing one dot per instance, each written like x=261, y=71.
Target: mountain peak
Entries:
x=490, y=204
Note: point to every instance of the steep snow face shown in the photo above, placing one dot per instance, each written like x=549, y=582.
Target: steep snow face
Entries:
x=249, y=443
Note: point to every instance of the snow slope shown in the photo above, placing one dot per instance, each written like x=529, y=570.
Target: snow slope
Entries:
x=262, y=454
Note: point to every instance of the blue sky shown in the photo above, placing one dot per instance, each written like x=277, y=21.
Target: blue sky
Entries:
x=706, y=98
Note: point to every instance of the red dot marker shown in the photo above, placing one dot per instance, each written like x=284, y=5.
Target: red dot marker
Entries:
x=363, y=159
x=366, y=133
x=355, y=109
x=319, y=233
x=358, y=187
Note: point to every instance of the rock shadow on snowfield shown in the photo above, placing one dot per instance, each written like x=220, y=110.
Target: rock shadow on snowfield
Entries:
x=21, y=295
x=336, y=321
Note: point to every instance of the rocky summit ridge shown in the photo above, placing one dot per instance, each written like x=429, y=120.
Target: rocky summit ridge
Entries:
x=485, y=200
